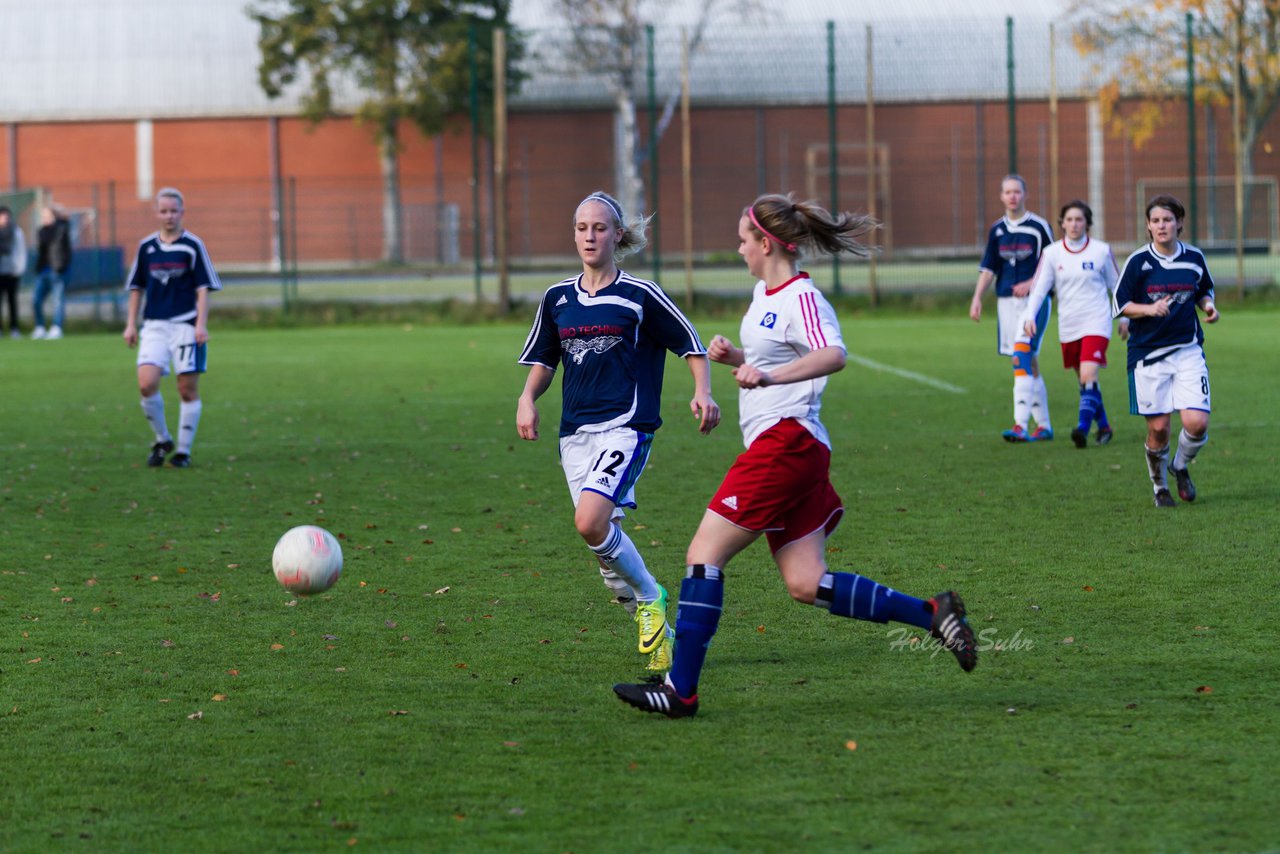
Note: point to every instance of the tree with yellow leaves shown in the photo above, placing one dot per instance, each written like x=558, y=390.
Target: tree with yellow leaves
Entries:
x=1143, y=51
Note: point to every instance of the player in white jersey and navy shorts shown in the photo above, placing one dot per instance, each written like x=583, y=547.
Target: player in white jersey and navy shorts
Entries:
x=1014, y=244
x=1082, y=272
x=611, y=333
x=780, y=487
x=1160, y=288
x=172, y=269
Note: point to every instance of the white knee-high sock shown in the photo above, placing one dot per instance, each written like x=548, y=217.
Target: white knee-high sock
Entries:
x=1040, y=402
x=188, y=421
x=1023, y=393
x=620, y=554
x=1188, y=447
x=153, y=409
x=621, y=590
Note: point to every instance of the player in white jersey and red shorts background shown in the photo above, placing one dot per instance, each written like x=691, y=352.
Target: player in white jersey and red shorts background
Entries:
x=1082, y=272
x=780, y=487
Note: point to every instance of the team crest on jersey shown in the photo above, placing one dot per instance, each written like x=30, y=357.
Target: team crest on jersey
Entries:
x=1087, y=265
x=769, y=319
x=578, y=349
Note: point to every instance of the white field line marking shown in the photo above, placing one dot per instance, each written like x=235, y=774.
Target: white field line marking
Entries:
x=910, y=375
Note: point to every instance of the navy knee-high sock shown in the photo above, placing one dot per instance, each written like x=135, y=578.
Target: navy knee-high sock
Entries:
x=847, y=595
x=698, y=615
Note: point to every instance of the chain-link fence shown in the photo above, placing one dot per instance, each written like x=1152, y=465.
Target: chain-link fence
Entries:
x=917, y=121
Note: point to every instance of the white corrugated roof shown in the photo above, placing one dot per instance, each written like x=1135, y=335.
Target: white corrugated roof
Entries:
x=125, y=59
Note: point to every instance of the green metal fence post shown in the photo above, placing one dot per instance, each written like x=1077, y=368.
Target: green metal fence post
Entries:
x=1013, y=109
x=1192, y=199
x=656, y=242
x=472, y=49
x=832, y=158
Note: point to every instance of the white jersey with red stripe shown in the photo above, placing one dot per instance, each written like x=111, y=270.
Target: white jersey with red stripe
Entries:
x=782, y=325
x=1083, y=275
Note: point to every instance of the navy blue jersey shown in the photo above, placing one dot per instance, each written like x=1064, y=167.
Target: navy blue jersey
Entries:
x=613, y=347
x=171, y=273
x=1013, y=250
x=1147, y=276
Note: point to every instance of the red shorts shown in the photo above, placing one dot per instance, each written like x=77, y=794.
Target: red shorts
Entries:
x=781, y=486
x=1090, y=348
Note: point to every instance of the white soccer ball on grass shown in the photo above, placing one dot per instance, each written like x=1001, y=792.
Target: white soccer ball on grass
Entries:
x=307, y=559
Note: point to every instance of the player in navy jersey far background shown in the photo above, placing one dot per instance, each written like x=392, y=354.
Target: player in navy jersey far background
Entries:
x=1014, y=244
x=174, y=272
x=1160, y=287
x=611, y=332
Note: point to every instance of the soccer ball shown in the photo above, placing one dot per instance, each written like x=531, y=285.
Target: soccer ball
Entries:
x=307, y=559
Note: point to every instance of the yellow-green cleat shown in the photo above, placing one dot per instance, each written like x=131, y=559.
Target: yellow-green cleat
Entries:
x=651, y=617
x=660, y=659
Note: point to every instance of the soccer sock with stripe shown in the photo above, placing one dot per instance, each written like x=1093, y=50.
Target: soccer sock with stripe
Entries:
x=845, y=594
x=1188, y=447
x=188, y=421
x=620, y=554
x=153, y=409
x=1090, y=402
x=1023, y=383
x=1156, y=461
x=1101, y=415
x=697, y=617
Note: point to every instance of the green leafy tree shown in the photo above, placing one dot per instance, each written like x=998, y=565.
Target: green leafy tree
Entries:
x=1145, y=48
x=408, y=60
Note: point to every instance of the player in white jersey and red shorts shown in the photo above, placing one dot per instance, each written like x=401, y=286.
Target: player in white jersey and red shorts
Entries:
x=173, y=270
x=1082, y=272
x=780, y=487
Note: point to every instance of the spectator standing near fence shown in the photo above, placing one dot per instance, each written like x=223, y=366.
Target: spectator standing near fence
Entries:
x=53, y=260
x=1014, y=244
x=1082, y=273
x=173, y=270
x=1160, y=287
x=610, y=332
x=13, y=263
x=780, y=486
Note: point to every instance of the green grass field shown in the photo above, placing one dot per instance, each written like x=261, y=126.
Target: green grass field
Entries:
x=160, y=692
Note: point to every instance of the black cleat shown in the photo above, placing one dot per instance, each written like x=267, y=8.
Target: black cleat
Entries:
x=1080, y=437
x=660, y=699
x=180, y=461
x=1164, y=499
x=950, y=627
x=1104, y=435
x=1186, y=489
x=158, y=452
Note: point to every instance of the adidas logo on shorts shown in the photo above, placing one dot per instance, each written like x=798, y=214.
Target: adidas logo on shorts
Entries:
x=731, y=502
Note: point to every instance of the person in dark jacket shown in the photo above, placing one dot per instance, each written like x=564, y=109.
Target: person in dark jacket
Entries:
x=52, y=262
x=13, y=263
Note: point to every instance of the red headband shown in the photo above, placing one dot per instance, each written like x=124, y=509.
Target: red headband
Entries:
x=790, y=247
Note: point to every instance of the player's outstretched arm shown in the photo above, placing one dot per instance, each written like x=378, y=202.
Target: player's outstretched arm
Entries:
x=985, y=278
x=527, y=416
x=703, y=405
x=818, y=363
x=131, y=319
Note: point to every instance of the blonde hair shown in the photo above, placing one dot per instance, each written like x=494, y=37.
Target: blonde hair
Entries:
x=172, y=193
x=633, y=230
x=795, y=226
